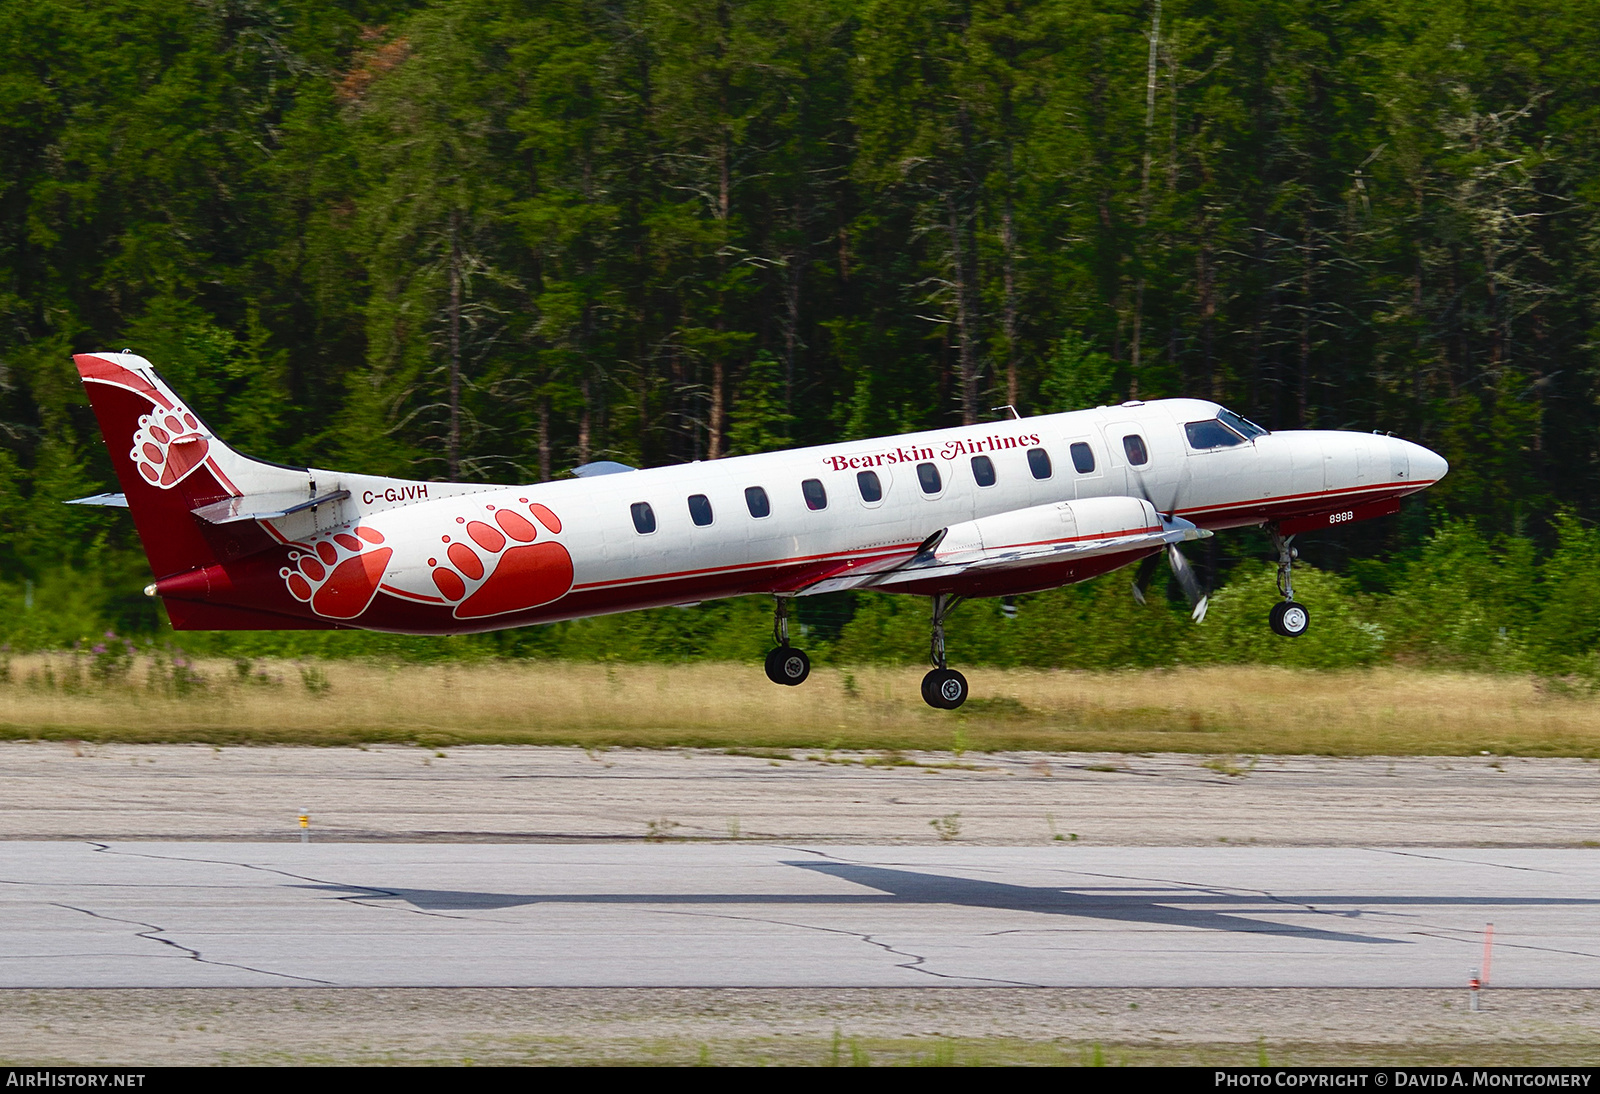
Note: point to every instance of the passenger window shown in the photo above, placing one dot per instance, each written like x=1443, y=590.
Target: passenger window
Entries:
x=983, y=470
x=1211, y=434
x=700, y=509
x=1133, y=445
x=1082, y=457
x=871, y=489
x=816, y=496
x=755, y=499
x=928, y=476
x=1039, y=463
x=644, y=517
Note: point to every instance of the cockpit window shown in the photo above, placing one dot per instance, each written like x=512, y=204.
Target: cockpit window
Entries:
x=1211, y=434
x=1243, y=426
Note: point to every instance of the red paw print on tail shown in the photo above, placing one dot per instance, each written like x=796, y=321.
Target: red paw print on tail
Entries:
x=168, y=445
x=491, y=569
x=339, y=576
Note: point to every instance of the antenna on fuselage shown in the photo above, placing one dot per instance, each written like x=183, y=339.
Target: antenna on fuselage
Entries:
x=1014, y=414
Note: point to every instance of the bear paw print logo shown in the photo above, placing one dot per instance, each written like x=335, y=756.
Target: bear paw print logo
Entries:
x=168, y=445
x=490, y=569
x=339, y=576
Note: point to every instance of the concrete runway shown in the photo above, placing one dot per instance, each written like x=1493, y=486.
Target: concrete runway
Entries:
x=201, y=915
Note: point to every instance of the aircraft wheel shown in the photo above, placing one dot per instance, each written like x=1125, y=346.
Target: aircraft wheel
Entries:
x=1289, y=619
x=788, y=666
x=944, y=689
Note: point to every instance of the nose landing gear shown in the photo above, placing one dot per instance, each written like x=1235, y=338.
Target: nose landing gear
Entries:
x=1287, y=618
x=943, y=688
x=785, y=665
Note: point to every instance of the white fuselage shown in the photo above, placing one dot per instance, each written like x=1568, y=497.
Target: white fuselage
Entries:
x=621, y=561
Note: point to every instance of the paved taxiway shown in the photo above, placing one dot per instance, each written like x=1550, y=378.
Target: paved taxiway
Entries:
x=729, y=915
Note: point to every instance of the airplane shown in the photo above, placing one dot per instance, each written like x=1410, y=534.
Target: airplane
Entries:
x=990, y=510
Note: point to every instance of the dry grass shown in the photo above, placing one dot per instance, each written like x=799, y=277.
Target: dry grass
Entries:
x=1233, y=710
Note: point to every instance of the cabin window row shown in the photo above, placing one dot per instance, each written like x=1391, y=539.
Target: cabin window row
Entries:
x=700, y=512
x=870, y=486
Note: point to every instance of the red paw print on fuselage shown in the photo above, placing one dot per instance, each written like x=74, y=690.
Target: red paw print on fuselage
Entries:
x=491, y=569
x=339, y=576
x=168, y=445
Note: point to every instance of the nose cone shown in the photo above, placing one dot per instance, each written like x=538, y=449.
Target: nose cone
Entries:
x=1426, y=465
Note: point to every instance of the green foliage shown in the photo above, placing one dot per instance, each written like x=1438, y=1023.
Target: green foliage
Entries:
x=1076, y=376
x=494, y=239
x=1565, y=638
x=1467, y=601
x=762, y=423
x=1341, y=634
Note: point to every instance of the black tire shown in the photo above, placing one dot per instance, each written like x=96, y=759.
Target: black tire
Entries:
x=1289, y=619
x=944, y=689
x=788, y=666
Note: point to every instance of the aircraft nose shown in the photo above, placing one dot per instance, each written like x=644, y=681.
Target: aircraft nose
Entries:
x=1426, y=464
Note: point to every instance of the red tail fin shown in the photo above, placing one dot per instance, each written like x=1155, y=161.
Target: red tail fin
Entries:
x=220, y=529
x=160, y=451
x=170, y=464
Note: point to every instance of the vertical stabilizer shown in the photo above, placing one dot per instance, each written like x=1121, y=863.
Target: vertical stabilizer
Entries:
x=170, y=464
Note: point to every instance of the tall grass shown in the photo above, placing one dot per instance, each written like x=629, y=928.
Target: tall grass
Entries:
x=1237, y=709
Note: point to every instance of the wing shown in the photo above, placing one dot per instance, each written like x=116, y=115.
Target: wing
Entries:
x=1038, y=536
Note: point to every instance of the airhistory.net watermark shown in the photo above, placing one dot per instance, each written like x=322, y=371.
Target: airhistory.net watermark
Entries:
x=55, y=1078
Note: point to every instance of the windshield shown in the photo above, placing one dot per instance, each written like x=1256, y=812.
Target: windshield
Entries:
x=1211, y=434
x=1246, y=428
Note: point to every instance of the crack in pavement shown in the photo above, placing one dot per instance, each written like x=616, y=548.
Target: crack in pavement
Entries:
x=916, y=964
x=1473, y=861
x=1474, y=939
x=153, y=933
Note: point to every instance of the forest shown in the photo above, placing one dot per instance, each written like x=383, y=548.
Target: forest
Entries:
x=494, y=239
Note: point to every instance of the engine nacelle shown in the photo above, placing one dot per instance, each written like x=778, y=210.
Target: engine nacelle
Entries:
x=1080, y=522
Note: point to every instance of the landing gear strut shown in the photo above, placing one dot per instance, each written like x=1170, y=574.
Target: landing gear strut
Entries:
x=943, y=688
x=785, y=665
x=1287, y=618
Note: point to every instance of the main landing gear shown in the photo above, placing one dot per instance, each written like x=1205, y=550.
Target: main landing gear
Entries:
x=943, y=688
x=1287, y=618
x=785, y=665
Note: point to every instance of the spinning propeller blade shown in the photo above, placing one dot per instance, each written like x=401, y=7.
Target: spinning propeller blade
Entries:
x=1141, y=579
x=1188, y=581
x=1197, y=597
x=1182, y=571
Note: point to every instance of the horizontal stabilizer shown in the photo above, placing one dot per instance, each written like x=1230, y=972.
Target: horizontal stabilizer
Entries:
x=117, y=501
x=264, y=506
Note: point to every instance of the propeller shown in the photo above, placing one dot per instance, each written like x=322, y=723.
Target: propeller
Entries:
x=1187, y=581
